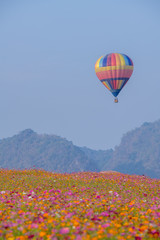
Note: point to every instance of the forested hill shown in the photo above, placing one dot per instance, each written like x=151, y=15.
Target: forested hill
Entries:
x=138, y=153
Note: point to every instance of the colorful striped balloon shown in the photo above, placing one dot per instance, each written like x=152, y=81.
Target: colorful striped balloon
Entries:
x=114, y=70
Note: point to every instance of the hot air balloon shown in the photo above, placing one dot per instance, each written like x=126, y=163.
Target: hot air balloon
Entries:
x=114, y=71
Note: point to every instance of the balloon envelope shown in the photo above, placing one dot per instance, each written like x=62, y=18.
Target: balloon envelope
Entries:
x=114, y=71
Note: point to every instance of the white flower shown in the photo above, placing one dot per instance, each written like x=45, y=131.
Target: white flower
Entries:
x=2, y=192
x=57, y=214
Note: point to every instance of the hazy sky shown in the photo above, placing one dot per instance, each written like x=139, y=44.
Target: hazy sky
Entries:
x=48, y=50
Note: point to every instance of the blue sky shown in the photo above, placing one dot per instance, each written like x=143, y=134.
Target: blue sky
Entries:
x=48, y=50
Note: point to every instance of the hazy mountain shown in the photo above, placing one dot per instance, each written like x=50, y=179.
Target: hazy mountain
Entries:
x=138, y=153
x=101, y=157
x=29, y=149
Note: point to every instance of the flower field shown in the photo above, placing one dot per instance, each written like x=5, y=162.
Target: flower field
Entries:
x=35, y=204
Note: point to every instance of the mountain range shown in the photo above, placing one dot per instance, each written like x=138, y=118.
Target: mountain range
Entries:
x=138, y=153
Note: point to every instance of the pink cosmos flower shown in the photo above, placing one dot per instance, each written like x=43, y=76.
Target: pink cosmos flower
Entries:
x=51, y=190
x=34, y=225
x=64, y=230
x=69, y=215
x=78, y=237
x=105, y=225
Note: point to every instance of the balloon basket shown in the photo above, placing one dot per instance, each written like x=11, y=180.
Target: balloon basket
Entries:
x=116, y=100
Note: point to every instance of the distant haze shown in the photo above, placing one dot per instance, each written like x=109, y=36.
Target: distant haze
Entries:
x=47, y=80
x=138, y=153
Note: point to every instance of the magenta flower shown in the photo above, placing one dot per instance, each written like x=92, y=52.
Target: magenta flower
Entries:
x=31, y=236
x=106, y=214
x=70, y=193
x=98, y=196
x=137, y=238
